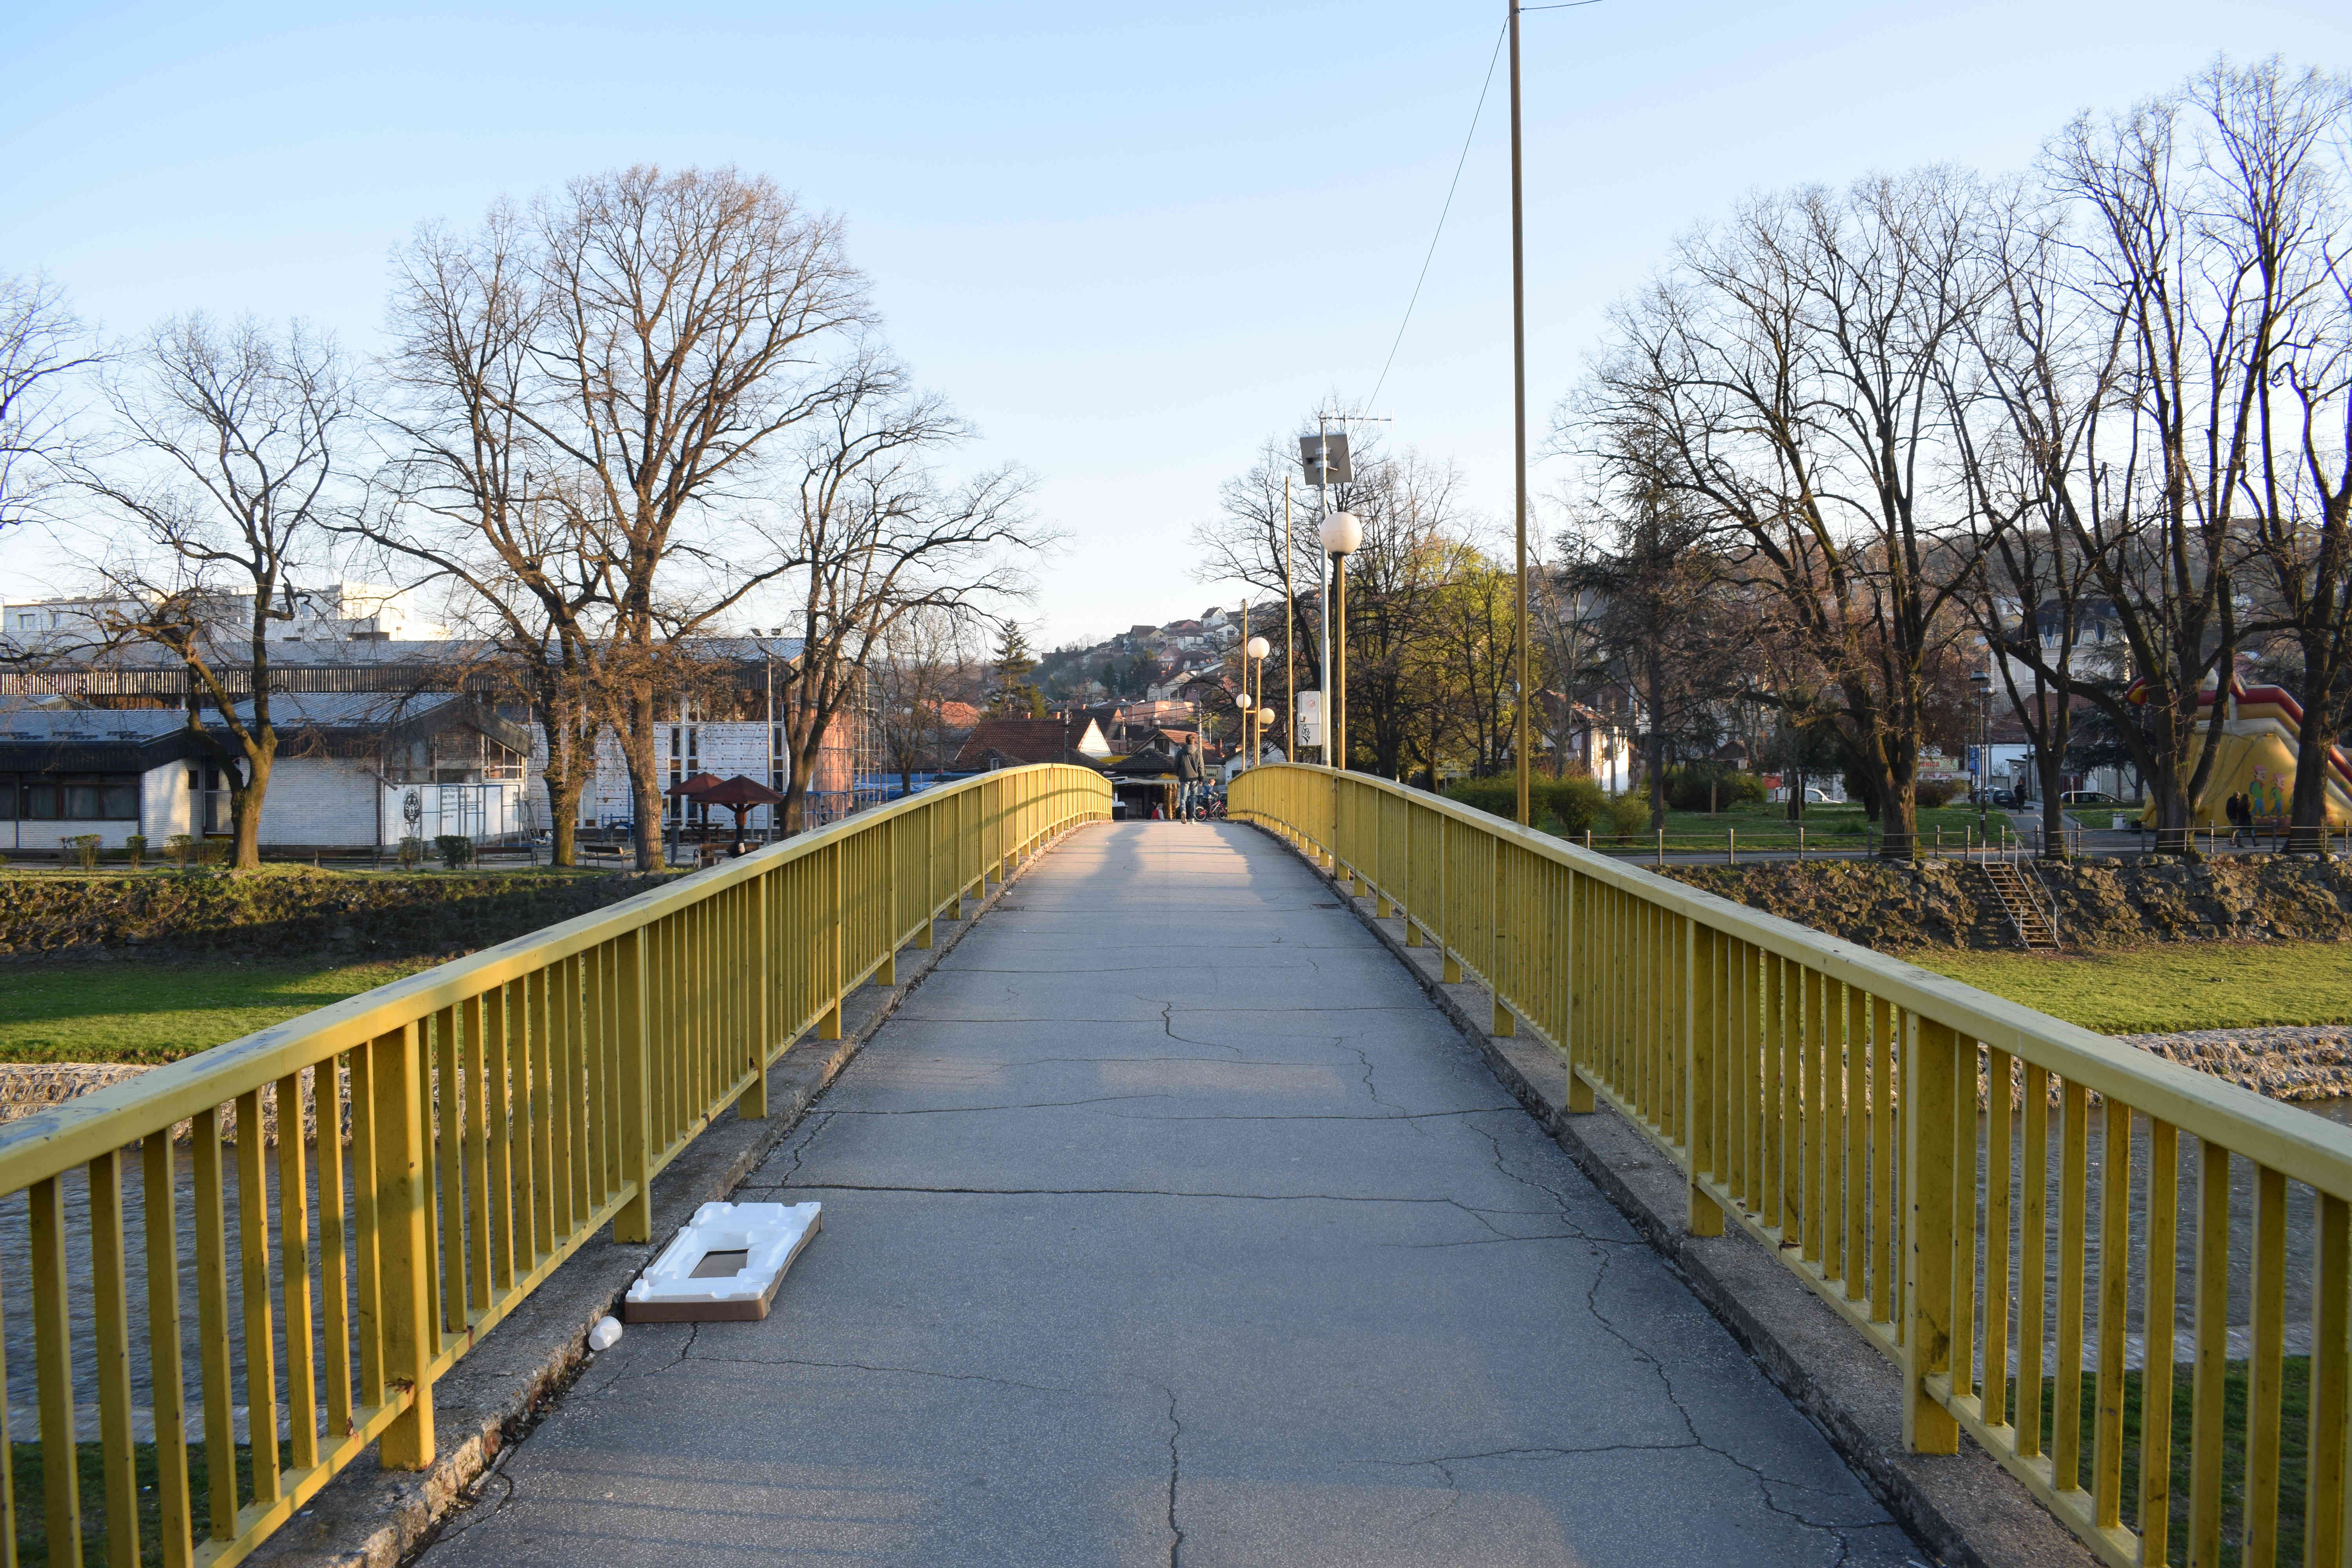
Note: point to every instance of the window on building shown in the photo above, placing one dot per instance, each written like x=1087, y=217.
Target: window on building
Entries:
x=454, y=756
x=684, y=760
x=69, y=797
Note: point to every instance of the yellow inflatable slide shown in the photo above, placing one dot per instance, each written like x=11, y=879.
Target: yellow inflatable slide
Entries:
x=2256, y=759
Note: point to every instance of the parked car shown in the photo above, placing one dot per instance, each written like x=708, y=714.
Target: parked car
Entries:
x=2088, y=797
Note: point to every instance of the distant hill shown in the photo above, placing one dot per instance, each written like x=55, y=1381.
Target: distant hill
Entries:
x=1141, y=663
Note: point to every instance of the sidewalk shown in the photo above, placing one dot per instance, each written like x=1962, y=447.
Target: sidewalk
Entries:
x=1169, y=1223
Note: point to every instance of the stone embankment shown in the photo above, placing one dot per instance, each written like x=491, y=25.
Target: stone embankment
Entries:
x=30, y=1086
x=2101, y=903
x=2295, y=1064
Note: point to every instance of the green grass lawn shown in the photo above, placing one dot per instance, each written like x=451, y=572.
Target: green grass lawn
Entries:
x=2163, y=990
x=2294, y=1426
x=146, y=1012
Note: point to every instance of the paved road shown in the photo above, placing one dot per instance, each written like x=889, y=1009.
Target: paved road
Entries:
x=1169, y=1224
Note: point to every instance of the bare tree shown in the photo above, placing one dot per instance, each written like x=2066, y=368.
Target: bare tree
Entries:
x=923, y=661
x=42, y=343
x=2278, y=145
x=1414, y=522
x=458, y=499
x=1567, y=634
x=685, y=324
x=1783, y=378
x=1657, y=582
x=217, y=491
x=2182, y=257
x=876, y=536
x=2035, y=367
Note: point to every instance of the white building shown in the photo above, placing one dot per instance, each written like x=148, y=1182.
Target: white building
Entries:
x=322, y=618
x=353, y=770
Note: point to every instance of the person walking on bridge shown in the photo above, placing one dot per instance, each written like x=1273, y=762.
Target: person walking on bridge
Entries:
x=1189, y=774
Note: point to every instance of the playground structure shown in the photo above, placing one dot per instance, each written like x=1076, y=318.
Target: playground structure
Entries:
x=2261, y=739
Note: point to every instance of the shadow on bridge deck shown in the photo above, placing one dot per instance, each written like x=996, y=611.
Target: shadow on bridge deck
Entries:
x=1168, y=1222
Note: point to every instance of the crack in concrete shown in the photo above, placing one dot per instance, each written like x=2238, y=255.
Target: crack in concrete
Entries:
x=1363, y=1056
x=812, y=1125
x=1480, y=1215
x=1168, y=1022
x=1444, y=1464
x=474, y=1513
x=863, y=1366
x=1220, y=1061
x=1040, y=1105
x=1558, y=1199
x=1175, y=1475
x=1764, y=1481
x=1303, y=1115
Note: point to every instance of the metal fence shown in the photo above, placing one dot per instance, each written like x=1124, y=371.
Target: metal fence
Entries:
x=2123, y=1277
x=492, y=1112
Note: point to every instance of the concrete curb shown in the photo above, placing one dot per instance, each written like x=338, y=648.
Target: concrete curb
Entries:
x=372, y=1517
x=1964, y=1508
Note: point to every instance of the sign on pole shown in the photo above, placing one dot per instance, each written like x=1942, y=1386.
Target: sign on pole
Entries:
x=1307, y=729
x=1325, y=458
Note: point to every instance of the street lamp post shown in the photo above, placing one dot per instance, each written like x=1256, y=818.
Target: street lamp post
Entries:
x=1982, y=681
x=1343, y=534
x=1253, y=654
x=1519, y=742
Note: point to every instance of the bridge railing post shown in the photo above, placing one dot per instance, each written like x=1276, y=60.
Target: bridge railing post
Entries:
x=1930, y=1111
x=403, y=1260
x=635, y=1220
x=753, y=1105
x=835, y=944
x=1703, y=1105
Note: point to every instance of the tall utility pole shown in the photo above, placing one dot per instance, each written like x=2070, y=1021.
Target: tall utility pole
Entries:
x=1519, y=418
x=1289, y=639
x=1326, y=709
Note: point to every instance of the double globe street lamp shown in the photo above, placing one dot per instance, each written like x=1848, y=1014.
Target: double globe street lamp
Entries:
x=1253, y=654
x=1343, y=535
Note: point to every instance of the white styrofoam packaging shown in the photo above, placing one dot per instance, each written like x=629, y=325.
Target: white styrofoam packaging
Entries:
x=769, y=1236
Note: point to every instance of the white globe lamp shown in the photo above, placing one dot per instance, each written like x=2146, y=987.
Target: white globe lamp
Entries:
x=1257, y=647
x=1343, y=534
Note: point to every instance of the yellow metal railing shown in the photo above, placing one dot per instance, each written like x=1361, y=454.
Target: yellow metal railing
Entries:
x=494, y=1111
x=1826, y=1099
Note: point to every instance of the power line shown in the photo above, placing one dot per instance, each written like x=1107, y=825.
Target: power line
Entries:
x=1459, y=164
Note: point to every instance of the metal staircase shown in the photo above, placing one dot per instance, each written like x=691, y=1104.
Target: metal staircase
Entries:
x=2023, y=902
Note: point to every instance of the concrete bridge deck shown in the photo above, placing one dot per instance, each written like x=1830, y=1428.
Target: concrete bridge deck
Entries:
x=1169, y=1223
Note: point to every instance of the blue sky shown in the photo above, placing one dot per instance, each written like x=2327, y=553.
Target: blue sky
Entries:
x=1129, y=240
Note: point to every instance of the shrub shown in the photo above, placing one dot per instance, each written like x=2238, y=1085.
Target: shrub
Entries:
x=85, y=847
x=412, y=853
x=1575, y=803
x=1499, y=797
x=455, y=850
x=1570, y=806
x=134, y=849
x=183, y=849
x=1687, y=788
x=1628, y=814
x=1932, y=793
